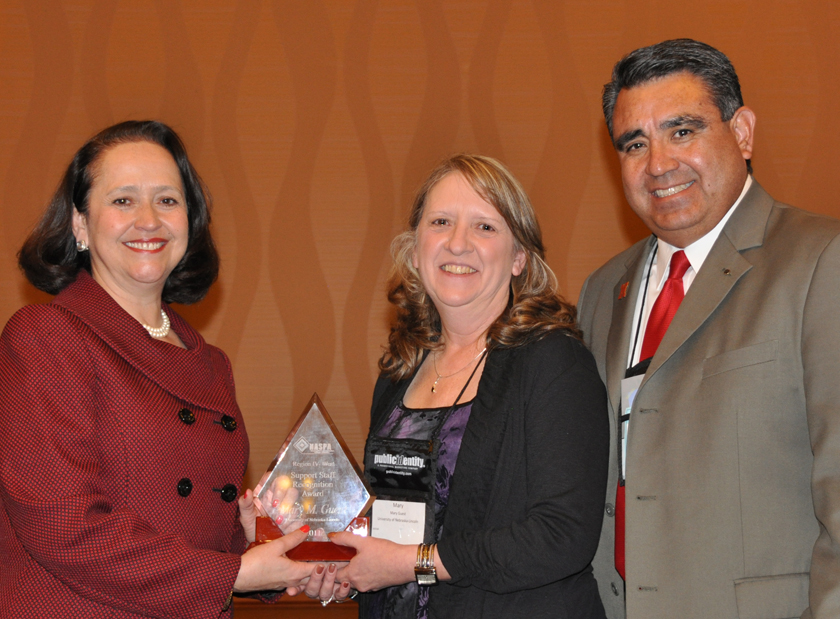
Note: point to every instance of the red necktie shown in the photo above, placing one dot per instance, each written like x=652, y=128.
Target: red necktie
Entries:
x=666, y=305
x=663, y=311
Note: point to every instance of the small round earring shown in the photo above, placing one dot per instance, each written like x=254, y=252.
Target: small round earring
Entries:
x=81, y=246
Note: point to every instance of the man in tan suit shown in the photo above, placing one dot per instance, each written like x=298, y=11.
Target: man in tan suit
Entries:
x=726, y=441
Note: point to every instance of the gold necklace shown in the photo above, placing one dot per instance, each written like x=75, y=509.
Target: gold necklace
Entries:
x=439, y=376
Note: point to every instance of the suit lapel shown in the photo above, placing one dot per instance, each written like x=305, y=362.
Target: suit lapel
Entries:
x=721, y=271
x=625, y=295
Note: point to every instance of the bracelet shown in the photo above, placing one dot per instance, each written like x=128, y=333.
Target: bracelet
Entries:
x=424, y=568
x=228, y=602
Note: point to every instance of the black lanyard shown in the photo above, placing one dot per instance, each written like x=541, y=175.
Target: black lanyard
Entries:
x=445, y=413
x=642, y=310
x=406, y=469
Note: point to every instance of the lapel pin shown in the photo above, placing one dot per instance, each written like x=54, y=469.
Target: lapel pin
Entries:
x=727, y=272
x=623, y=292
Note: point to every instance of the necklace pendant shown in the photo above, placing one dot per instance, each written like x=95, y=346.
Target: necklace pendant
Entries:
x=434, y=385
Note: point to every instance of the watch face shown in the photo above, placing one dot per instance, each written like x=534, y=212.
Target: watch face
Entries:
x=426, y=580
x=425, y=576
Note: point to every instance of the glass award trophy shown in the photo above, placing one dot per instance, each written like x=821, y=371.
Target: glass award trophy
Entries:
x=314, y=480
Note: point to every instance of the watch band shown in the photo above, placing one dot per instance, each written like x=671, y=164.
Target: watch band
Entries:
x=424, y=568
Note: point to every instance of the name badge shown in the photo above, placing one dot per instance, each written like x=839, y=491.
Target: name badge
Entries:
x=402, y=522
x=400, y=464
x=629, y=389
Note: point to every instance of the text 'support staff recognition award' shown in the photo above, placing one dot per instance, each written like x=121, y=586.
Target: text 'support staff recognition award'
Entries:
x=314, y=480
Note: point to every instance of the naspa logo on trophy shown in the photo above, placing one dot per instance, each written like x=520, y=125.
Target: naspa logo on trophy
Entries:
x=308, y=447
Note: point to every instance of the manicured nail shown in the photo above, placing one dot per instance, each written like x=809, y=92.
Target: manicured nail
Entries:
x=345, y=585
x=332, y=534
x=305, y=528
x=319, y=569
x=332, y=568
x=275, y=503
x=279, y=520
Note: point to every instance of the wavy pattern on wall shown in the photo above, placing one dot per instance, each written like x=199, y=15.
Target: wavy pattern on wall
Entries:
x=182, y=81
x=94, y=78
x=299, y=286
x=226, y=140
x=482, y=74
x=437, y=125
x=48, y=103
x=825, y=33
x=272, y=95
x=562, y=171
x=381, y=210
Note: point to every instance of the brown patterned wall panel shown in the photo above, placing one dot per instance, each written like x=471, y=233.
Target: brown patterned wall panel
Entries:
x=298, y=281
x=41, y=122
x=244, y=221
x=815, y=187
x=314, y=122
x=381, y=207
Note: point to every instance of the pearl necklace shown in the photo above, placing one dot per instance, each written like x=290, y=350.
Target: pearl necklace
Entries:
x=439, y=376
x=159, y=332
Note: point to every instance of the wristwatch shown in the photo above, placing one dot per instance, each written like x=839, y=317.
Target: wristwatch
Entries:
x=424, y=569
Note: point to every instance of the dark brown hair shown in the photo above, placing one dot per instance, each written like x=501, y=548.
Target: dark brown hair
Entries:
x=49, y=258
x=535, y=306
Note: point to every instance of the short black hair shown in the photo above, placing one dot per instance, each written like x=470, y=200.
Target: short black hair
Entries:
x=675, y=56
x=49, y=258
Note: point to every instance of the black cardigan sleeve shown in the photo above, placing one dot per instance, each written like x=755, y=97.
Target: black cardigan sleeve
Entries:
x=528, y=493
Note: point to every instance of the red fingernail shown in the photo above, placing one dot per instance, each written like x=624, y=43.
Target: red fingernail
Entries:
x=332, y=534
x=320, y=569
x=332, y=568
x=305, y=528
x=345, y=585
x=275, y=503
x=280, y=519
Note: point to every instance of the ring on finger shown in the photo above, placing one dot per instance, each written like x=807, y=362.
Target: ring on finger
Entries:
x=349, y=590
x=325, y=602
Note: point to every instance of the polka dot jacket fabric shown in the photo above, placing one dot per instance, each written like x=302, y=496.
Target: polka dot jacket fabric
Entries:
x=120, y=461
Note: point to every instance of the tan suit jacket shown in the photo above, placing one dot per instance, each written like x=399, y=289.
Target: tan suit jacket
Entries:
x=733, y=458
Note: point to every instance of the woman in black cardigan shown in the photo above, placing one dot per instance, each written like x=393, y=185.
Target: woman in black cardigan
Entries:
x=489, y=438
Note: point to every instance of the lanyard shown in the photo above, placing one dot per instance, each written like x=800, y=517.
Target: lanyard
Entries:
x=403, y=473
x=446, y=413
x=642, y=306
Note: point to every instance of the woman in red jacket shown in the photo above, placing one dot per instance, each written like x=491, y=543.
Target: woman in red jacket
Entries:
x=121, y=443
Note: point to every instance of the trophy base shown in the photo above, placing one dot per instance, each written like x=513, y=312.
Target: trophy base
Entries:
x=267, y=531
x=321, y=551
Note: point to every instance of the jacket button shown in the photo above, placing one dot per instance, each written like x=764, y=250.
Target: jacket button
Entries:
x=228, y=423
x=187, y=416
x=614, y=588
x=228, y=492
x=185, y=486
x=610, y=510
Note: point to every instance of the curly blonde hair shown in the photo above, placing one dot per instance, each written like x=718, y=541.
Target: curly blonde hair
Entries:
x=535, y=306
